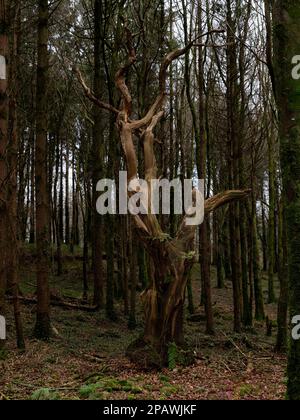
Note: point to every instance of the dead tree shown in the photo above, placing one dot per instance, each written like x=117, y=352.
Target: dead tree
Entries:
x=172, y=257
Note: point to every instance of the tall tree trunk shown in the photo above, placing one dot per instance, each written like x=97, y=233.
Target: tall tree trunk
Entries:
x=4, y=104
x=247, y=309
x=201, y=151
x=98, y=156
x=286, y=42
x=232, y=115
x=12, y=239
x=42, y=327
x=271, y=227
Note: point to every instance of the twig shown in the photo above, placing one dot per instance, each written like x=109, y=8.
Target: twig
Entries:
x=85, y=308
x=226, y=366
x=235, y=345
x=63, y=388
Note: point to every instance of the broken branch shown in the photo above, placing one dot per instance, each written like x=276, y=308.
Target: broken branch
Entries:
x=91, y=96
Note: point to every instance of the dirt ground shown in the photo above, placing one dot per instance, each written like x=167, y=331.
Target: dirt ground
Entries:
x=85, y=359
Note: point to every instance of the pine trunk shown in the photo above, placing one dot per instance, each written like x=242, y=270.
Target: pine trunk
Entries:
x=42, y=327
x=287, y=44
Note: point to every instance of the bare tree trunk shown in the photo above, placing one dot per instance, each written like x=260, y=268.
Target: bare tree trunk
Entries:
x=4, y=103
x=201, y=143
x=98, y=156
x=232, y=112
x=247, y=309
x=125, y=265
x=282, y=314
x=42, y=327
x=286, y=46
x=12, y=239
x=32, y=191
x=133, y=284
x=254, y=267
x=264, y=233
x=67, y=209
x=56, y=212
x=271, y=226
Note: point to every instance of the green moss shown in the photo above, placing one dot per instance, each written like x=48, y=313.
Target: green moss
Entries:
x=45, y=394
x=247, y=390
x=164, y=378
x=108, y=385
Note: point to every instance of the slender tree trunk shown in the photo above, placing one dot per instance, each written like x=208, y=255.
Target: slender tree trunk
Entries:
x=133, y=284
x=67, y=209
x=12, y=239
x=125, y=265
x=4, y=105
x=85, y=262
x=271, y=226
x=61, y=192
x=32, y=191
x=264, y=234
x=247, y=309
x=257, y=284
x=74, y=230
x=98, y=156
x=110, y=231
x=282, y=313
x=57, y=213
x=232, y=112
x=42, y=327
x=201, y=149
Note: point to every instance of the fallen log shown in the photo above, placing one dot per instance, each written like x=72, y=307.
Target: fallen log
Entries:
x=59, y=303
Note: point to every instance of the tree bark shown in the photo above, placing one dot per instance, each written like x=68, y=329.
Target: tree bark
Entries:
x=98, y=156
x=282, y=313
x=13, y=234
x=42, y=327
x=232, y=115
x=286, y=46
x=4, y=104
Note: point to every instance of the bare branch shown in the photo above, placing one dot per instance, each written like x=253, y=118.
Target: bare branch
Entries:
x=219, y=200
x=128, y=147
x=149, y=155
x=91, y=96
x=186, y=233
x=159, y=102
x=121, y=75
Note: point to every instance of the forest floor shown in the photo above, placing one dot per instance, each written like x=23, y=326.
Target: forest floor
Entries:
x=85, y=359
